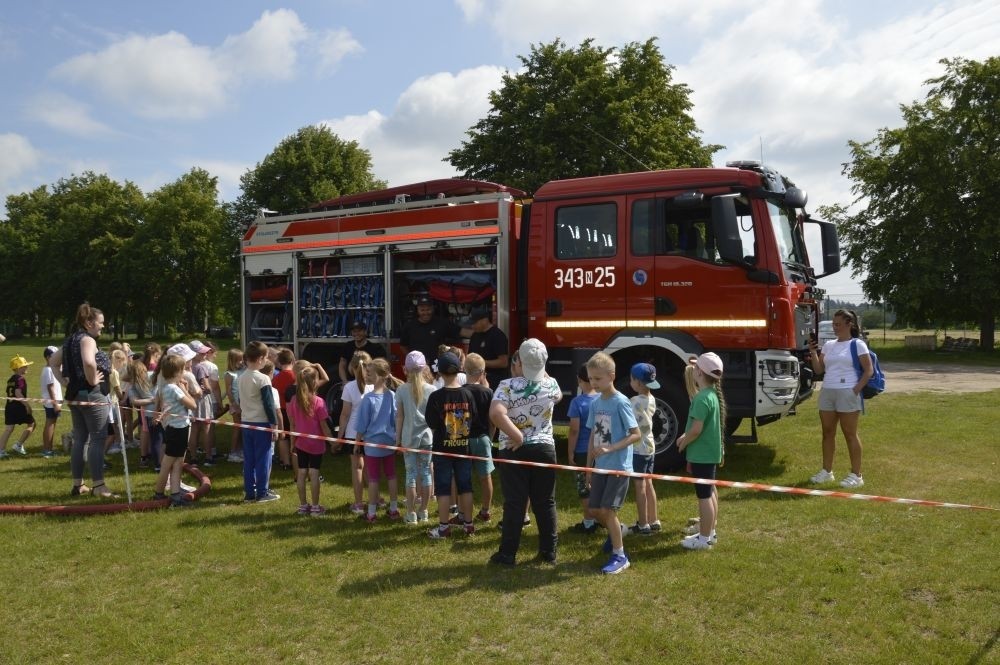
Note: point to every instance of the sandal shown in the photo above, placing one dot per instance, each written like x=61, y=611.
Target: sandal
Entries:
x=79, y=489
x=106, y=494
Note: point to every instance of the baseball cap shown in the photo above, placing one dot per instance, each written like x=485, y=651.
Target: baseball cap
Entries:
x=182, y=350
x=424, y=299
x=646, y=374
x=476, y=314
x=414, y=360
x=448, y=363
x=710, y=363
x=198, y=347
x=533, y=356
x=49, y=350
x=359, y=325
x=17, y=362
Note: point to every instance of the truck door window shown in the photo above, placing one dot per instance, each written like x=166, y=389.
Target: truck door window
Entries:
x=660, y=227
x=586, y=231
x=789, y=242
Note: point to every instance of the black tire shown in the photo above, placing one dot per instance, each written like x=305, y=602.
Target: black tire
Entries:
x=668, y=424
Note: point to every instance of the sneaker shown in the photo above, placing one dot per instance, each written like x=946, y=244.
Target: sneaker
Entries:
x=580, y=527
x=453, y=510
x=501, y=559
x=249, y=499
x=358, y=508
x=712, y=540
x=456, y=520
x=188, y=488
x=546, y=557
x=641, y=530
x=394, y=515
x=143, y=462
x=371, y=519
x=696, y=543
x=116, y=449
x=48, y=454
x=179, y=500
x=422, y=516
x=852, y=481
x=411, y=518
x=440, y=532
x=270, y=495
x=616, y=564
x=304, y=509
x=208, y=464
x=234, y=457
x=469, y=528
x=483, y=516
x=317, y=511
x=19, y=449
x=4, y=454
x=822, y=476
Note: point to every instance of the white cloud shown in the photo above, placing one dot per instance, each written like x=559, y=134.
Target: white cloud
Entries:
x=66, y=115
x=429, y=119
x=167, y=76
x=19, y=157
x=333, y=46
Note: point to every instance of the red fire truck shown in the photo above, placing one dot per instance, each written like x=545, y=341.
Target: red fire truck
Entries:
x=655, y=266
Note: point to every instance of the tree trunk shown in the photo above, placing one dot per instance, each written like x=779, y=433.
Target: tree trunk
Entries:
x=987, y=331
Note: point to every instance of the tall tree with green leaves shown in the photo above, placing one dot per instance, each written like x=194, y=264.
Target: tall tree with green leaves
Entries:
x=182, y=247
x=310, y=166
x=927, y=232
x=583, y=112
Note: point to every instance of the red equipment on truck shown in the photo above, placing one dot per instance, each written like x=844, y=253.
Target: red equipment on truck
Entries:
x=655, y=267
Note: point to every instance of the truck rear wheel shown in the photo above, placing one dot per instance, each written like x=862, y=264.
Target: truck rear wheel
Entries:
x=668, y=424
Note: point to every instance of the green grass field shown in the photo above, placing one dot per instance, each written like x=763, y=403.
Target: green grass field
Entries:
x=792, y=579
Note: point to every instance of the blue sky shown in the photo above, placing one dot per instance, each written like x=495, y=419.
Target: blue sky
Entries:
x=146, y=91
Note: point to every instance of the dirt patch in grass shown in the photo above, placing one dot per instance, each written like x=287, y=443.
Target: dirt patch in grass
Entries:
x=911, y=377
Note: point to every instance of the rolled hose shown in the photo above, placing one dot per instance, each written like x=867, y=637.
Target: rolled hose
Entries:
x=204, y=487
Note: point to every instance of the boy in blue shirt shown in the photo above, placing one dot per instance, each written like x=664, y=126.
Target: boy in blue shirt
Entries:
x=578, y=448
x=613, y=431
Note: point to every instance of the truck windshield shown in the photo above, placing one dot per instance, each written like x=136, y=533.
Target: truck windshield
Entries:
x=786, y=236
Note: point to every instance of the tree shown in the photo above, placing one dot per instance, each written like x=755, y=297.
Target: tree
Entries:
x=583, y=112
x=183, y=250
x=928, y=233
x=307, y=167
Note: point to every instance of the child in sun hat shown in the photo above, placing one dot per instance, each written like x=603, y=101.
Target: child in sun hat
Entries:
x=51, y=390
x=643, y=380
x=413, y=433
x=17, y=412
x=702, y=445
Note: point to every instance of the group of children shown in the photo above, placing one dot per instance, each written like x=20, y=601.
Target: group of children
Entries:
x=446, y=414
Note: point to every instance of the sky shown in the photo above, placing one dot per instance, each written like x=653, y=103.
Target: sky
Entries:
x=146, y=91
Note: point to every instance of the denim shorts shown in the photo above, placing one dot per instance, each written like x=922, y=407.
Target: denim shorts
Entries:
x=482, y=447
x=642, y=463
x=51, y=413
x=446, y=468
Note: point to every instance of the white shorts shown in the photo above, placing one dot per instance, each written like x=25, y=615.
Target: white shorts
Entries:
x=841, y=400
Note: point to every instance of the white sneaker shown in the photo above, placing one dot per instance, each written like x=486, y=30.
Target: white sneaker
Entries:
x=234, y=457
x=696, y=543
x=852, y=481
x=822, y=476
x=187, y=488
x=411, y=518
x=19, y=449
x=115, y=450
x=712, y=540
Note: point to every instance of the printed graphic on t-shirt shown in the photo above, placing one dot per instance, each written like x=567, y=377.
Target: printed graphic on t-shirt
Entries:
x=457, y=424
x=602, y=429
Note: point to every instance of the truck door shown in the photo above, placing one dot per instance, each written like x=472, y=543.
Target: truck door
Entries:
x=585, y=278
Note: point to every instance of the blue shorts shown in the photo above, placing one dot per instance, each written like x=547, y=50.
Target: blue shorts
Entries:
x=642, y=464
x=448, y=468
x=51, y=413
x=482, y=447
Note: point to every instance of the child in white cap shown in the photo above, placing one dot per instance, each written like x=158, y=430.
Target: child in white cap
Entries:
x=702, y=444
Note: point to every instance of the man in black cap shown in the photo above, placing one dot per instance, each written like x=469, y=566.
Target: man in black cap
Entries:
x=359, y=331
x=427, y=332
x=491, y=343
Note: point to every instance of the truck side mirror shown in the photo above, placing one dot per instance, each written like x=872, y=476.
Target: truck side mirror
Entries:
x=726, y=228
x=831, y=247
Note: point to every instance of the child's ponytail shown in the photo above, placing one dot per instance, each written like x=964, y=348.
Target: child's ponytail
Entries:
x=305, y=389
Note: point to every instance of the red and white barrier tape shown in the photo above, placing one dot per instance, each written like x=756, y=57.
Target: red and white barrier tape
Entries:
x=758, y=487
